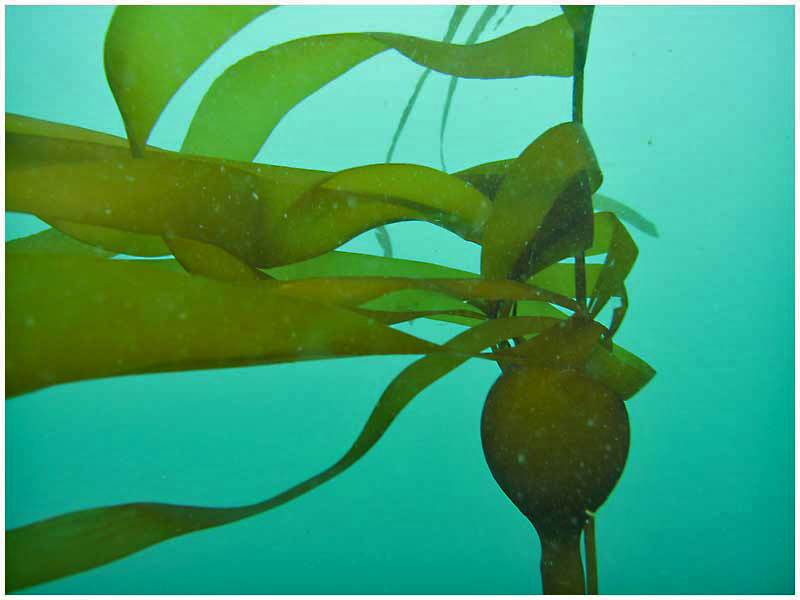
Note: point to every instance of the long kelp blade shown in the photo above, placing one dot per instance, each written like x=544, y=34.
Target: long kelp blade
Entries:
x=52, y=241
x=277, y=79
x=81, y=540
x=533, y=183
x=459, y=11
x=151, y=50
x=622, y=253
x=455, y=20
x=480, y=25
x=127, y=317
x=251, y=211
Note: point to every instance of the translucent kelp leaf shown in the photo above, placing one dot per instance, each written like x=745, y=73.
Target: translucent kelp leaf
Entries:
x=560, y=278
x=164, y=195
x=620, y=371
x=75, y=542
x=199, y=258
x=253, y=212
x=480, y=25
x=52, y=241
x=353, y=263
x=115, y=241
x=624, y=212
x=354, y=291
x=145, y=319
x=381, y=234
x=455, y=21
x=621, y=255
x=356, y=200
x=528, y=192
x=275, y=80
x=151, y=50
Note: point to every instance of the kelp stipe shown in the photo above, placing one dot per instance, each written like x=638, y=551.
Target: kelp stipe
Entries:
x=236, y=285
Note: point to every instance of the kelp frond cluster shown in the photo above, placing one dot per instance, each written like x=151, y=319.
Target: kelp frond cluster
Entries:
x=246, y=270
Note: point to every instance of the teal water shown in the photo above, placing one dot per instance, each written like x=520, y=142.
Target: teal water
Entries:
x=690, y=112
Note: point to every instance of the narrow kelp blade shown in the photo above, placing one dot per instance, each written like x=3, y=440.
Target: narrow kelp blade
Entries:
x=455, y=20
x=150, y=51
x=622, y=253
x=127, y=317
x=78, y=541
x=277, y=79
x=381, y=234
x=480, y=25
x=52, y=241
x=625, y=213
x=532, y=185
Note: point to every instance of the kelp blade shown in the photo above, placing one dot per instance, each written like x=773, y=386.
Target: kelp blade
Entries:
x=127, y=317
x=278, y=78
x=150, y=51
x=250, y=211
x=531, y=186
x=75, y=542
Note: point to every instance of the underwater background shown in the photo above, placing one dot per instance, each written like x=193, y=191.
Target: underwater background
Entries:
x=690, y=111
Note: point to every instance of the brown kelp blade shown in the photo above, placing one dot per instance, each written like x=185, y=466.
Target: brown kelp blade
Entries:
x=150, y=51
x=126, y=317
x=52, y=241
x=622, y=252
x=488, y=177
x=619, y=370
x=251, y=211
x=78, y=541
x=532, y=185
x=277, y=79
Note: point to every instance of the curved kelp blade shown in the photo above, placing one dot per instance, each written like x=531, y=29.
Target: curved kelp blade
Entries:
x=356, y=200
x=381, y=234
x=277, y=79
x=52, y=241
x=151, y=50
x=78, y=541
x=353, y=263
x=199, y=258
x=534, y=187
x=254, y=212
x=625, y=213
x=619, y=261
x=455, y=20
x=127, y=317
x=480, y=25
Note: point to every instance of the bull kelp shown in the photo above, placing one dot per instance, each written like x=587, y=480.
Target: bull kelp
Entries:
x=244, y=269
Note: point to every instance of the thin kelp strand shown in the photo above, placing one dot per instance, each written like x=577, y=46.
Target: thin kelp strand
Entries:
x=480, y=25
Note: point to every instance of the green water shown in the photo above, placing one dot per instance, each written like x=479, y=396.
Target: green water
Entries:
x=690, y=111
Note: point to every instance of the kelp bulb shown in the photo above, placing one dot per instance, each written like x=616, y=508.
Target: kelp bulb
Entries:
x=556, y=442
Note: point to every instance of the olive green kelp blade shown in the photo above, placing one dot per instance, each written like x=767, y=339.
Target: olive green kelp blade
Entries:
x=275, y=80
x=622, y=253
x=253, y=212
x=151, y=50
x=529, y=192
x=71, y=318
x=78, y=541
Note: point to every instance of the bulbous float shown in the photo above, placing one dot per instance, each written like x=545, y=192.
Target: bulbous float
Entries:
x=556, y=442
